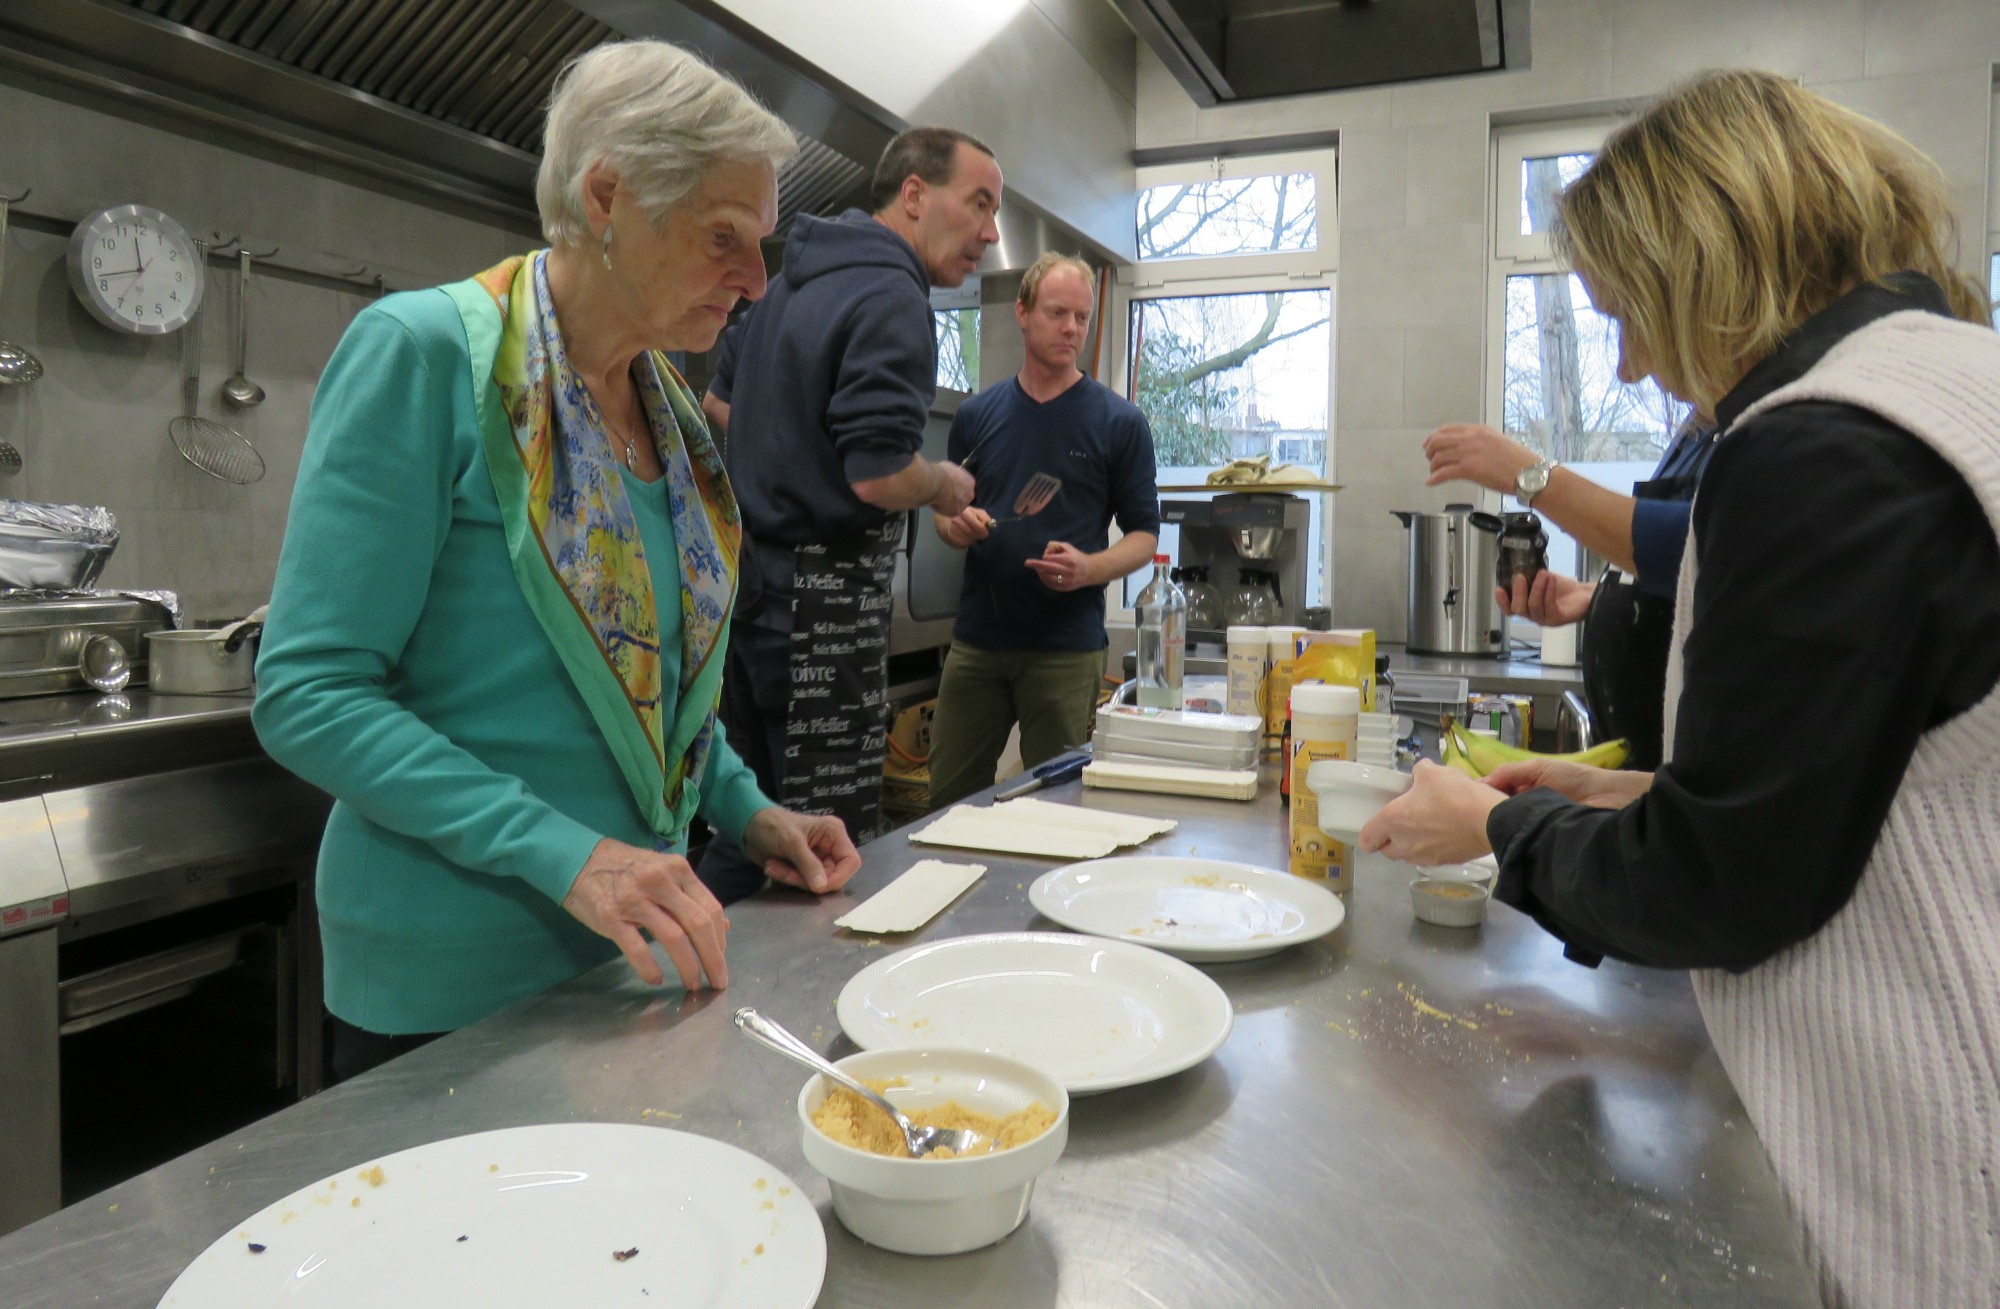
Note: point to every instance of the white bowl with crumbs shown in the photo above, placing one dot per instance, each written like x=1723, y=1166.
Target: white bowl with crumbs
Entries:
x=934, y=1205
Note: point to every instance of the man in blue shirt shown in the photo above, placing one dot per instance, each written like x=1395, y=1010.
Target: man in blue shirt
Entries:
x=1029, y=642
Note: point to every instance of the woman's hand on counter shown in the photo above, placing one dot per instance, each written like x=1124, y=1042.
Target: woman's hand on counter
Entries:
x=624, y=891
x=1441, y=819
x=1601, y=788
x=1554, y=600
x=810, y=851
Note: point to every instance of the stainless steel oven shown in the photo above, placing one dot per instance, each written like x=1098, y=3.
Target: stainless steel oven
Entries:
x=159, y=957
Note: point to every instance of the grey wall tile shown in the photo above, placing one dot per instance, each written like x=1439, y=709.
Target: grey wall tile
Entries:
x=1371, y=580
x=1368, y=381
x=1413, y=276
x=1444, y=375
x=1905, y=37
x=1372, y=164
x=1653, y=44
x=1445, y=171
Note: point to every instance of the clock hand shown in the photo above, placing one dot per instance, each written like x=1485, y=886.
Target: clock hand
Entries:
x=144, y=264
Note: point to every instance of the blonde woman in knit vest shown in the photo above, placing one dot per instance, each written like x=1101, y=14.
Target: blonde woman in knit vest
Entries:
x=1822, y=845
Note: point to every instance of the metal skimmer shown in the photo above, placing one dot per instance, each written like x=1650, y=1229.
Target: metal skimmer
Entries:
x=209, y=446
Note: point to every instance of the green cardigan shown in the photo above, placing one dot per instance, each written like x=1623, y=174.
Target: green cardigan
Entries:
x=403, y=673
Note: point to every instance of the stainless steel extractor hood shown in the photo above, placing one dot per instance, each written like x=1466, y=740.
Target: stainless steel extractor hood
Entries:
x=1229, y=50
x=445, y=96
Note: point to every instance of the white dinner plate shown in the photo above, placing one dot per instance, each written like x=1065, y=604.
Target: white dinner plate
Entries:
x=527, y=1218
x=1093, y=1014
x=1206, y=910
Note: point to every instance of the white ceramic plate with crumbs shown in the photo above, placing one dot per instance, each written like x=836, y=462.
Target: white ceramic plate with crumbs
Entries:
x=1204, y=910
x=526, y=1218
x=1093, y=1014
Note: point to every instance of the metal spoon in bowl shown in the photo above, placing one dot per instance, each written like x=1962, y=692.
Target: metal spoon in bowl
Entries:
x=920, y=1141
x=240, y=390
x=17, y=366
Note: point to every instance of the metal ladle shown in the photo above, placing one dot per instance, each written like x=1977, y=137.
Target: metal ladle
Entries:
x=17, y=366
x=240, y=390
x=919, y=1141
x=211, y=447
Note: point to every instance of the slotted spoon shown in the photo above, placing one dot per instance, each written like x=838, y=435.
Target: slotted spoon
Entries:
x=214, y=449
x=1034, y=498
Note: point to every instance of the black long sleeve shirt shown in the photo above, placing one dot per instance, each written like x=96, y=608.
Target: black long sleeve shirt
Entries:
x=1848, y=601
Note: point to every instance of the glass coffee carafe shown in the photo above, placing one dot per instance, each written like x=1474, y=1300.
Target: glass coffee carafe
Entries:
x=1204, y=601
x=1255, y=600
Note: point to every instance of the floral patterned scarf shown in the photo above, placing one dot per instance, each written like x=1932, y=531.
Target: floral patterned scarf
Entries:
x=575, y=544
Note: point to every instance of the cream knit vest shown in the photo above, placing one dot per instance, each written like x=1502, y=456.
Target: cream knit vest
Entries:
x=1869, y=1054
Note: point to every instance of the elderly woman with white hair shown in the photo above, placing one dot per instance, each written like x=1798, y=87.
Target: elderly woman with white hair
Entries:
x=497, y=631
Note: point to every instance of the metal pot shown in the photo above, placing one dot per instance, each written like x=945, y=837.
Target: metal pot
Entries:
x=1452, y=607
x=204, y=662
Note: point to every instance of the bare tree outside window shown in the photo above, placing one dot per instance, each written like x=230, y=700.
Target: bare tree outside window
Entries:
x=1561, y=394
x=1252, y=215
x=957, y=335
x=1222, y=377
x=1194, y=358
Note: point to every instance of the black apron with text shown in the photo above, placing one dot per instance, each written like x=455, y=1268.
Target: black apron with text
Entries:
x=1625, y=646
x=837, y=728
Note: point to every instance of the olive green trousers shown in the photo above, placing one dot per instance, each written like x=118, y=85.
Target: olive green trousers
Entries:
x=1052, y=694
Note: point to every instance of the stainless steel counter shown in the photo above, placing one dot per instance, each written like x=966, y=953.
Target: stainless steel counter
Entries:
x=1404, y=1116
x=1515, y=676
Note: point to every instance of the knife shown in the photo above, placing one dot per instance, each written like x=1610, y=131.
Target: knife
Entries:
x=1064, y=768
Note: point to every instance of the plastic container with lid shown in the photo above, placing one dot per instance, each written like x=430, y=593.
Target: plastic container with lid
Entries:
x=1249, y=662
x=1324, y=718
x=1283, y=646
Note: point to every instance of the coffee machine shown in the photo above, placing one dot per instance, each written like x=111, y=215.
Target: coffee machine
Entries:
x=1254, y=540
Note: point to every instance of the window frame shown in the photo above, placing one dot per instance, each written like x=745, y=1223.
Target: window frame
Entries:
x=1319, y=262
x=1247, y=274
x=1511, y=148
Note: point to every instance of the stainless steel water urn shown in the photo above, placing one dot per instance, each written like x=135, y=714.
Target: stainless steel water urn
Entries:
x=1453, y=610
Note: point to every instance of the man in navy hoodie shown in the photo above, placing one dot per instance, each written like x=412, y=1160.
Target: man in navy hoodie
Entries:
x=824, y=397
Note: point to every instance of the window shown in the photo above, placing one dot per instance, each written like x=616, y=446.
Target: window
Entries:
x=1229, y=324
x=957, y=335
x=1275, y=212
x=1229, y=376
x=1554, y=383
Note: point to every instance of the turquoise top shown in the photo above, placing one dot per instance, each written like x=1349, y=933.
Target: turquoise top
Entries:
x=403, y=673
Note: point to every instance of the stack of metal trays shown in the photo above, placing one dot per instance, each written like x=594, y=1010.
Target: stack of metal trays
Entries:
x=43, y=634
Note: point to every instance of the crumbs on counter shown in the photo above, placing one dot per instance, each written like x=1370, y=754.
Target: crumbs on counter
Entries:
x=256, y=1247
x=622, y=1255
x=373, y=1175
x=461, y=1240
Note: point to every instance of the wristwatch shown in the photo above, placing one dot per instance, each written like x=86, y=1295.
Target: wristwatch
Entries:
x=1532, y=481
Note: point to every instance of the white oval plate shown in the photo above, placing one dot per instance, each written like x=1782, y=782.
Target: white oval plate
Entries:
x=1205, y=910
x=1093, y=1014
x=526, y=1218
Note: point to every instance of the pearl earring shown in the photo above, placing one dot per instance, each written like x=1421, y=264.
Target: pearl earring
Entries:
x=607, y=249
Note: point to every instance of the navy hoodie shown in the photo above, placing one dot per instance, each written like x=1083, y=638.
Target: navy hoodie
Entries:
x=830, y=381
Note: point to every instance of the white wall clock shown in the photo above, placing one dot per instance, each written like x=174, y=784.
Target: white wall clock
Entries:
x=136, y=270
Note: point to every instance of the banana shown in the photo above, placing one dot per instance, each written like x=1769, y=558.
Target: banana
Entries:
x=1453, y=757
x=1483, y=754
